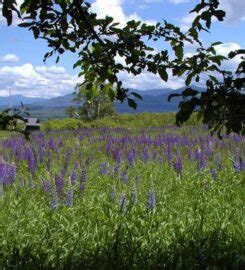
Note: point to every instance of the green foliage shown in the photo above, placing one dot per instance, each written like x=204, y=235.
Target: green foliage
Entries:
x=95, y=104
x=142, y=120
x=221, y=106
x=9, y=120
x=72, y=26
x=67, y=123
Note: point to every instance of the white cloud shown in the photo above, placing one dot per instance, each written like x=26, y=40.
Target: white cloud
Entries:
x=186, y=21
x=47, y=82
x=146, y=81
x=114, y=9
x=224, y=49
x=9, y=58
x=235, y=10
x=228, y=65
x=36, y=81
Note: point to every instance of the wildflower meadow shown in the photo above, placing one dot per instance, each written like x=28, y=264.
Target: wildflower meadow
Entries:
x=119, y=198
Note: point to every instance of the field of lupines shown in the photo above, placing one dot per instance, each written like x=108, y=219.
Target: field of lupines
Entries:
x=150, y=198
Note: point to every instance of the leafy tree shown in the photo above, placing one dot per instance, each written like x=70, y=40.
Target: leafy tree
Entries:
x=95, y=104
x=70, y=25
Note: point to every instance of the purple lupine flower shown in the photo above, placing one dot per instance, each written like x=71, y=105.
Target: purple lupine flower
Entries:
x=108, y=147
x=178, y=165
x=83, y=180
x=84, y=176
x=116, y=168
x=168, y=153
x=12, y=172
x=73, y=178
x=146, y=155
x=201, y=162
x=113, y=193
x=59, y=183
x=124, y=177
x=41, y=154
x=102, y=169
x=54, y=200
x=131, y=157
x=208, y=151
x=3, y=172
x=18, y=154
x=155, y=154
x=151, y=200
x=67, y=159
x=213, y=173
x=51, y=143
x=122, y=201
x=7, y=173
x=134, y=195
x=117, y=155
x=49, y=164
x=69, y=198
x=28, y=157
x=34, y=161
x=238, y=164
x=218, y=161
x=47, y=186
x=63, y=172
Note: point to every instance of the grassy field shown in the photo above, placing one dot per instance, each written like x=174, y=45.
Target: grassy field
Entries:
x=120, y=198
x=5, y=134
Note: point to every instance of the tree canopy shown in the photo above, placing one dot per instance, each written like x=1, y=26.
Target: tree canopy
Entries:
x=93, y=105
x=71, y=25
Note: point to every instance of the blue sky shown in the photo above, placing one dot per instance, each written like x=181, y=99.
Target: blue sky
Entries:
x=21, y=56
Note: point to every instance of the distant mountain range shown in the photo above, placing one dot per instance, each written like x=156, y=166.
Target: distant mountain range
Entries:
x=17, y=99
x=154, y=100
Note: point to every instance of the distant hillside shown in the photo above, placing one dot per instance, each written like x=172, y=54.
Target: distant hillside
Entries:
x=17, y=99
x=152, y=102
x=62, y=101
x=155, y=100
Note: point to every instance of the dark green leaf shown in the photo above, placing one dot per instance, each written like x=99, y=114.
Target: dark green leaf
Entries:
x=179, y=52
x=163, y=74
x=136, y=95
x=132, y=103
x=188, y=79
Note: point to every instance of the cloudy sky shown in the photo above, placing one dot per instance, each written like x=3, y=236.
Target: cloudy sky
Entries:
x=22, y=68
